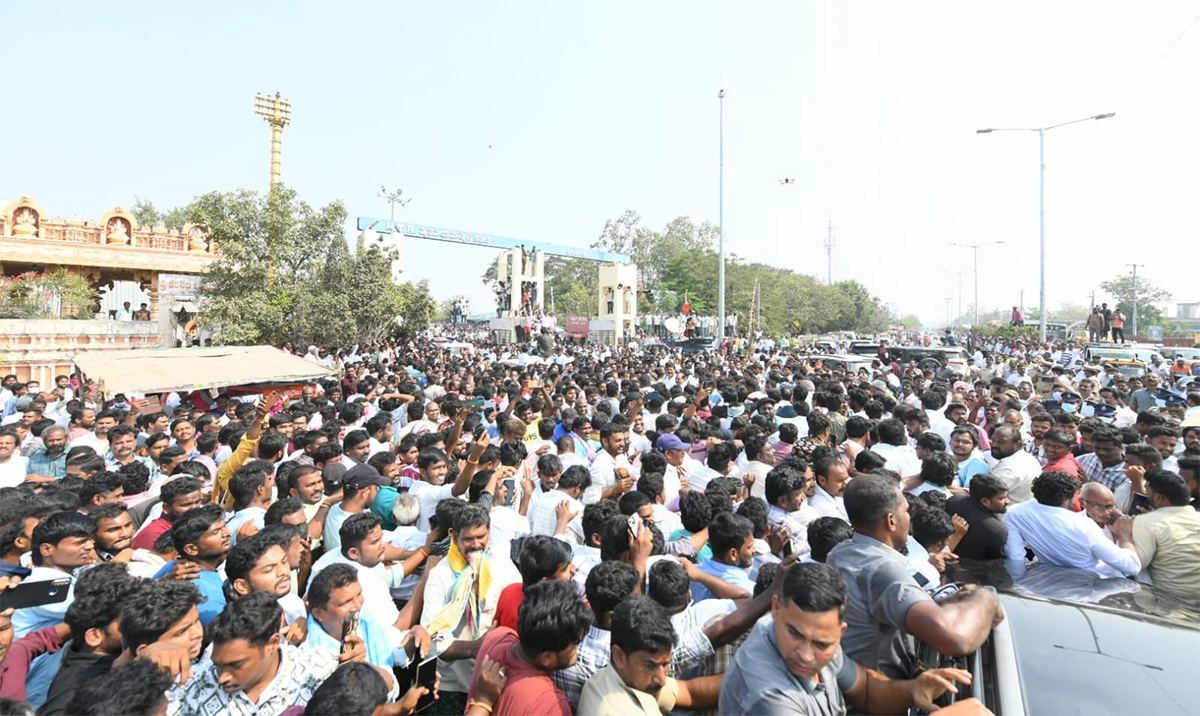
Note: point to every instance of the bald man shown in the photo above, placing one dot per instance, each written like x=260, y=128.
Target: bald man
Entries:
x=1099, y=505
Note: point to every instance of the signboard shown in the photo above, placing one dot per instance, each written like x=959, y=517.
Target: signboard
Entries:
x=473, y=238
x=1154, y=333
x=577, y=326
x=175, y=284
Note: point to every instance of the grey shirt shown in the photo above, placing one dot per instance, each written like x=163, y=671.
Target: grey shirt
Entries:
x=757, y=681
x=880, y=590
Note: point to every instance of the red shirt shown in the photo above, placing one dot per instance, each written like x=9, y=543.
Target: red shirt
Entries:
x=1067, y=464
x=529, y=689
x=147, y=537
x=507, y=606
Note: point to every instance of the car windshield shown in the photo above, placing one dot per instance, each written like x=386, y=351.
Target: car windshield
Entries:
x=1111, y=354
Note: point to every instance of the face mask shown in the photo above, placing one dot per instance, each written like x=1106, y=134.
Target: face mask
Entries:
x=1068, y=407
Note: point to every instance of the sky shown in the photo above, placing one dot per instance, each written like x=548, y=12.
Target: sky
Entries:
x=542, y=120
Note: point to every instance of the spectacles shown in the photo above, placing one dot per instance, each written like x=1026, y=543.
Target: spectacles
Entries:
x=1110, y=506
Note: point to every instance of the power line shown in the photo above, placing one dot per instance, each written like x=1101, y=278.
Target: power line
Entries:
x=1155, y=64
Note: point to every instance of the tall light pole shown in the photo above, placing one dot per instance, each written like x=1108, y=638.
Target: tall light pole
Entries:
x=393, y=198
x=1135, y=267
x=721, y=220
x=1042, y=192
x=975, y=257
x=278, y=113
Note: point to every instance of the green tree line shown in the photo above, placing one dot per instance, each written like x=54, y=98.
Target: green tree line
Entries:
x=286, y=273
x=680, y=262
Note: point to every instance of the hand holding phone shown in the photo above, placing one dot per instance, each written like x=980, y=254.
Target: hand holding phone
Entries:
x=34, y=594
x=349, y=632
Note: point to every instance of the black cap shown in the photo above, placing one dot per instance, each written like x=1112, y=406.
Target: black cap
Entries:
x=363, y=476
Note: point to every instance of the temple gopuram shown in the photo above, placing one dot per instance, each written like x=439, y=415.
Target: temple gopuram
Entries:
x=165, y=264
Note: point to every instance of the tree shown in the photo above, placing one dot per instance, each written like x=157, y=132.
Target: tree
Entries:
x=286, y=273
x=1127, y=290
x=148, y=215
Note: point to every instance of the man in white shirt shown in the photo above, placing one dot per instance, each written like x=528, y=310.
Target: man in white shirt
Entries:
x=680, y=466
x=831, y=477
x=13, y=466
x=432, y=488
x=933, y=401
x=893, y=448
x=1070, y=539
x=364, y=549
x=543, y=516
x=454, y=618
x=1016, y=468
x=612, y=475
x=760, y=459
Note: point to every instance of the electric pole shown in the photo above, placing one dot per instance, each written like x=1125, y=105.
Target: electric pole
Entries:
x=1135, y=267
x=829, y=244
x=278, y=113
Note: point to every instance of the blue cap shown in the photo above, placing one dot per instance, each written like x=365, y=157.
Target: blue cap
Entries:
x=1104, y=410
x=668, y=441
x=1072, y=398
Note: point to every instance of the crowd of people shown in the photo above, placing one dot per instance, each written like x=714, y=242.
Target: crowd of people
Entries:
x=620, y=530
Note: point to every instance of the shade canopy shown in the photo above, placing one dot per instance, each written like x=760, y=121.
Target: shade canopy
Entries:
x=187, y=369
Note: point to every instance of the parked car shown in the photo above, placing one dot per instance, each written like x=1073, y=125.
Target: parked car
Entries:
x=1075, y=642
x=845, y=363
x=930, y=357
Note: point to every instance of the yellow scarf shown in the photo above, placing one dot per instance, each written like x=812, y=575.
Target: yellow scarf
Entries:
x=463, y=597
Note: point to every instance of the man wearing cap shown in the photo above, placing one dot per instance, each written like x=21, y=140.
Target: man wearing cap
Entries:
x=680, y=466
x=360, y=485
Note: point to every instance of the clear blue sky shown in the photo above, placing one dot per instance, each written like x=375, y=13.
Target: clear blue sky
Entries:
x=593, y=108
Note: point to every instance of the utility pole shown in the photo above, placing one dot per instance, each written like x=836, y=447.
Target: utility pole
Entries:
x=1135, y=267
x=829, y=244
x=721, y=221
x=278, y=113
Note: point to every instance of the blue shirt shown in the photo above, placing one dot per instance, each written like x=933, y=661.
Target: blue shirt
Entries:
x=379, y=651
x=736, y=576
x=211, y=587
x=241, y=517
x=42, y=464
x=333, y=522
x=969, y=469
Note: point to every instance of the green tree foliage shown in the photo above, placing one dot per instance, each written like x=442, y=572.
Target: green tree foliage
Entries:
x=1126, y=289
x=58, y=294
x=148, y=215
x=287, y=274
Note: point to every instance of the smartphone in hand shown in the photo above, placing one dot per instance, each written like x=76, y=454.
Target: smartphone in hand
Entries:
x=349, y=629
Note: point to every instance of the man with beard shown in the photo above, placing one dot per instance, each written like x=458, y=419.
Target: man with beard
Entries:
x=794, y=664
x=635, y=680
x=305, y=484
x=1016, y=468
x=258, y=564
x=94, y=621
x=202, y=541
x=731, y=538
x=461, y=596
x=49, y=462
x=982, y=509
x=785, y=491
x=114, y=532
x=887, y=610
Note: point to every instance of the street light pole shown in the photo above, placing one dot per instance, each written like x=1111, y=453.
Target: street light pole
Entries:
x=1042, y=201
x=975, y=256
x=721, y=221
